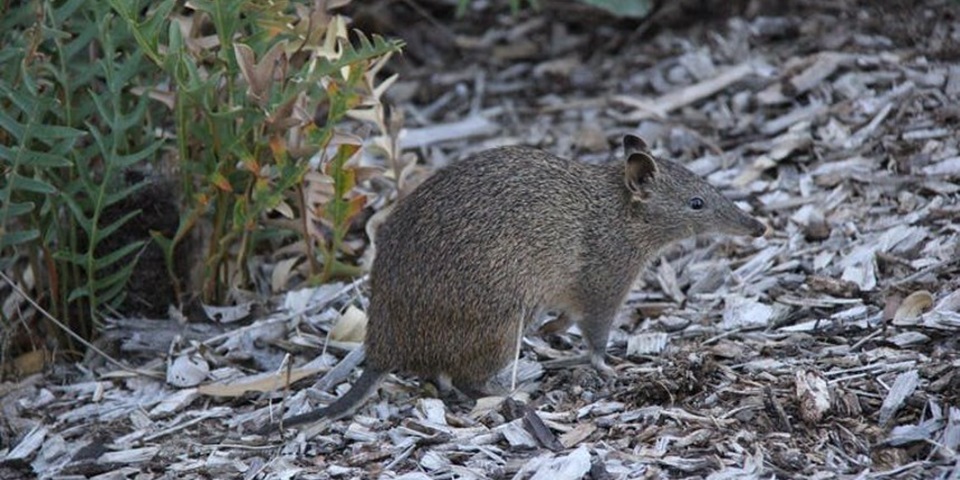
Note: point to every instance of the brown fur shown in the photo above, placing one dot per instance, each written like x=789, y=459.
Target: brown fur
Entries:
x=496, y=239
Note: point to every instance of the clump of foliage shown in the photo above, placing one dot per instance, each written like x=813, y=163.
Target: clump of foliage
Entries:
x=257, y=89
x=240, y=103
x=68, y=130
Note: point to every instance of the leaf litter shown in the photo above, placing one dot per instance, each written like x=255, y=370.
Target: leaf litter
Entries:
x=828, y=349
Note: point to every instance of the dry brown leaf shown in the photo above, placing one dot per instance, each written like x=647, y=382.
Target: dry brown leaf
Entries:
x=261, y=75
x=264, y=382
x=28, y=363
x=579, y=433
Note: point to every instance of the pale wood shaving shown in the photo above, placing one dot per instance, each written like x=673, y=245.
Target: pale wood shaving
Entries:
x=827, y=349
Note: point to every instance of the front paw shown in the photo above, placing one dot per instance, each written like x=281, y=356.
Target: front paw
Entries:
x=599, y=362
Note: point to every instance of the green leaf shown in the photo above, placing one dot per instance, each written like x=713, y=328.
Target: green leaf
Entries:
x=14, y=18
x=375, y=47
x=125, y=161
x=66, y=10
x=15, y=209
x=19, y=182
x=9, y=239
x=78, y=293
x=85, y=223
x=33, y=159
x=117, y=255
x=10, y=125
x=111, y=288
x=115, y=197
x=55, y=131
x=165, y=244
x=79, y=42
x=107, y=230
x=71, y=257
x=147, y=33
x=125, y=73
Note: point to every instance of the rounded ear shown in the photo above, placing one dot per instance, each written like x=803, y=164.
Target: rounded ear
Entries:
x=641, y=170
x=633, y=143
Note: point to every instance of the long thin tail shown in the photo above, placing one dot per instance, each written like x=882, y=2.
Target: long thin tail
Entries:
x=342, y=406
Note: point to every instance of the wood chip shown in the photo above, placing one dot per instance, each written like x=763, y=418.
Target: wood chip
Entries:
x=904, y=386
x=813, y=395
x=828, y=345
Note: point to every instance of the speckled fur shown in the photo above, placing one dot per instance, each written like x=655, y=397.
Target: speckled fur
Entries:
x=512, y=232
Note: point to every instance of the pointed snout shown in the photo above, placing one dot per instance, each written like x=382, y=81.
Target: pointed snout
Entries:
x=758, y=228
x=746, y=225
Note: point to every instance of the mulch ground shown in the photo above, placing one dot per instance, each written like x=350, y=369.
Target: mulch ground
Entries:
x=828, y=349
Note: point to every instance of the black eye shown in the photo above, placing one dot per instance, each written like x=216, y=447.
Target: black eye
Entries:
x=696, y=203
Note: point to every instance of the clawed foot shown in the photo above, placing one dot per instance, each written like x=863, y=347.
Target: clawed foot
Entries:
x=599, y=362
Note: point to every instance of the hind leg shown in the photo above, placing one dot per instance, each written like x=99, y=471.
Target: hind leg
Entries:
x=472, y=389
x=490, y=350
x=465, y=388
x=474, y=378
x=454, y=392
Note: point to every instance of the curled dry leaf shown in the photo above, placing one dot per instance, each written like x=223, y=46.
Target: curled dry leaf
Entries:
x=282, y=272
x=187, y=371
x=351, y=327
x=912, y=307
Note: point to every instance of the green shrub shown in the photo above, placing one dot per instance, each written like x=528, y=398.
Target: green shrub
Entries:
x=219, y=96
x=69, y=130
x=242, y=137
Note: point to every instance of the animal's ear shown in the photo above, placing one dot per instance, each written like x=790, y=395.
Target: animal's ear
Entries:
x=633, y=144
x=641, y=170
